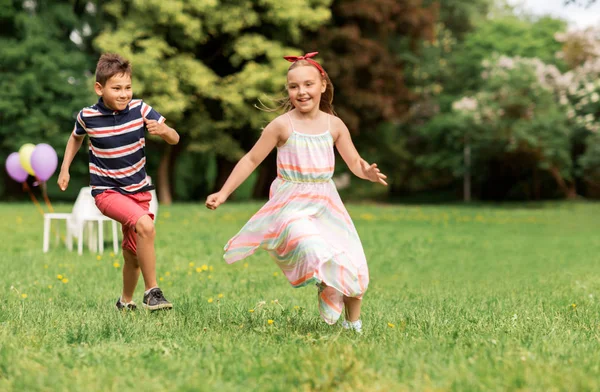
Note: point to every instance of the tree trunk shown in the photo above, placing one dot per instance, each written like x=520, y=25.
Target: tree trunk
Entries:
x=163, y=184
x=224, y=168
x=568, y=188
x=266, y=174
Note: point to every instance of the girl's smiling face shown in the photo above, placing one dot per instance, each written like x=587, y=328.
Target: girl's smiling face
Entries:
x=305, y=86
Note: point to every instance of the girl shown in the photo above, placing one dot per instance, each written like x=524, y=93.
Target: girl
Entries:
x=304, y=225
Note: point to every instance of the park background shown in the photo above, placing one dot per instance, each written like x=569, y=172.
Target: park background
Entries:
x=456, y=101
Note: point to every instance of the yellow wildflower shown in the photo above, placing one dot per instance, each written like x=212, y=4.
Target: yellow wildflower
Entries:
x=198, y=269
x=24, y=295
x=191, y=264
x=59, y=277
x=220, y=296
x=167, y=273
x=391, y=325
x=204, y=267
x=112, y=254
x=275, y=273
x=98, y=257
x=270, y=322
x=210, y=300
x=49, y=286
x=65, y=280
x=116, y=265
x=251, y=310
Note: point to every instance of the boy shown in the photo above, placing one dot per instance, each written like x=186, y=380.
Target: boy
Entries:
x=115, y=126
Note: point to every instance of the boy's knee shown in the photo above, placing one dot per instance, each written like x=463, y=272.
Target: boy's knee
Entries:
x=145, y=227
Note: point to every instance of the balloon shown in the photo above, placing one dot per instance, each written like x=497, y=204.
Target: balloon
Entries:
x=44, y=161
x=14, y=168
x=25, y=157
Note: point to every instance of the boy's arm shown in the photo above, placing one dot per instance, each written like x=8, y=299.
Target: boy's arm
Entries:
x=355, y=163
x=167, y=133
x=73, y=145
x=265, y=144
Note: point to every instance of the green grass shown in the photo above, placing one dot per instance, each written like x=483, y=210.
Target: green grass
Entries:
x=461, y=298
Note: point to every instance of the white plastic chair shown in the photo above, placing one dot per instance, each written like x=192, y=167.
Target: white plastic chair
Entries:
x=84, y=212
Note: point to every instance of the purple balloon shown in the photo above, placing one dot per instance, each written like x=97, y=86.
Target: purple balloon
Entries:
x=44, y=161
x=14, y=168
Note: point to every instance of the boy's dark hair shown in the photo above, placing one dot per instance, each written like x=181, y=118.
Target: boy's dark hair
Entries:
x=109, y=65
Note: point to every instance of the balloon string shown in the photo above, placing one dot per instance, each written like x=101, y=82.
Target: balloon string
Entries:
x=33, y=198
x=45, y=194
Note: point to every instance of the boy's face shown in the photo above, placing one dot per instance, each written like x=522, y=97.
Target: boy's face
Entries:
x=116, y=92
x=305, y=86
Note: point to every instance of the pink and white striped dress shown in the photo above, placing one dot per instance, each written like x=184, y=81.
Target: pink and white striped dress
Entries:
x=305, y=227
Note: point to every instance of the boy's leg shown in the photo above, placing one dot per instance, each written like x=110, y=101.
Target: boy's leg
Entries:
x=352, y=308
x=131, y=274
x=146, y=255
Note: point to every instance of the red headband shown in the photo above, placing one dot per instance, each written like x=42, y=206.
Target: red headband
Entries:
x=307, y=57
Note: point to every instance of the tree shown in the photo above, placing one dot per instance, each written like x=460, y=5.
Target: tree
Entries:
x=205, y=64
x=43, y=75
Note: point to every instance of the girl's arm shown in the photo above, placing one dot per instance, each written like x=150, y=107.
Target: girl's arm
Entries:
x=355, y=163
x=265, y=144
x=73, y=145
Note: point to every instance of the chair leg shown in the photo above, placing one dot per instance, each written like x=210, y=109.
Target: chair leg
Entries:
x=100, y=237
x=115, y=236
x=69, y=236
x=46, y=244
x=80, y=239
x=91, y=236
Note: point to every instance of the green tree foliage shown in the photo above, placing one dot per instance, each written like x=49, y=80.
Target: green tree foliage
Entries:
x=43, y=83
x=205, y=64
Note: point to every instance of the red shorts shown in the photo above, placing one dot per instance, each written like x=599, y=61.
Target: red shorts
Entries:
x=127, y=210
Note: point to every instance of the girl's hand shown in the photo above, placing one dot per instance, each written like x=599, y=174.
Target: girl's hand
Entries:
x=373, y=173
x=215, y=200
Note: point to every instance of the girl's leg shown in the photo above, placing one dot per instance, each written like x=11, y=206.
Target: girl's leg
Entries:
x=131, y=273
x=352, y=308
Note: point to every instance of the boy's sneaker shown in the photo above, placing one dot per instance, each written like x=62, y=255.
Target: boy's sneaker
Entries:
x=125, y=306
x=155, y=300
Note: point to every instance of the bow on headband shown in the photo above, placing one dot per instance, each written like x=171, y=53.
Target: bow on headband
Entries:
x=307, y=57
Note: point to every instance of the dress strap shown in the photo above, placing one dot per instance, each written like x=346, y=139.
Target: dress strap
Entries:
x=328, y=122
x=291, y=123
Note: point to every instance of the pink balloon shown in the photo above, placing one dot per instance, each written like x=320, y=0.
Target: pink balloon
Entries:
x=44, y=161
x=14, y=168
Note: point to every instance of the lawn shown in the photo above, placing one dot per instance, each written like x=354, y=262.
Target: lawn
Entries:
x=461, y=298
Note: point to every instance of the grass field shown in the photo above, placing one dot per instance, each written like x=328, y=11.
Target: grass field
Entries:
x=461, y=298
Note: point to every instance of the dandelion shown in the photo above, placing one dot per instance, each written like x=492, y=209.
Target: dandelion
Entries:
x=573, y=306
x=297, y=307
x=220, y=295
x=65, y=280
x=98, y=257
x=167, y=273
x=210, y=268
x=209, y=276
x=23, y=295
x=191, y=264
x=198, y=269
x=59, y=277
x=161, y=278
x=251, y=310
x=112, y=254
x=204, y=267
x=391, y=325
x=189, y=272
x=45, y=266
x=116, y=265
x=210, y=300
x=245, y=265
x=275, y=273
x=270, y=322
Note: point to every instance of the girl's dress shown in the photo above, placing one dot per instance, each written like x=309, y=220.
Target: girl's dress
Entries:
x=305, y=227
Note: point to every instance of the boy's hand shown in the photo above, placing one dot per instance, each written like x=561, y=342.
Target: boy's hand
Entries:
x=373, y=173
x=156, y=128
x=215, y=200
x=63, y=180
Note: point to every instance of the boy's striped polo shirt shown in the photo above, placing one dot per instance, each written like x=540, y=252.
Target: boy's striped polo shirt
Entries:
x=117, y=157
